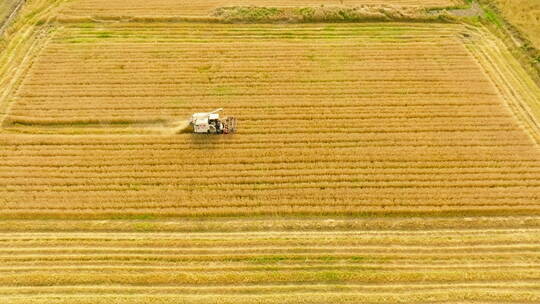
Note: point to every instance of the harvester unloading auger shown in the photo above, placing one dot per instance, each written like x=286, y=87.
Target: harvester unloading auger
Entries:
x=211, y=123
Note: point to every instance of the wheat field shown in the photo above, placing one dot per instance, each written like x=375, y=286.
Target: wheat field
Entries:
x=374, y=162
x=334, y=119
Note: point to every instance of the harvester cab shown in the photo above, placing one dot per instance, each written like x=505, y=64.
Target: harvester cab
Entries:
x=211, y=123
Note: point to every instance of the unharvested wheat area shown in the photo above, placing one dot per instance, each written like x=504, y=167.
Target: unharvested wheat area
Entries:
x=374, y=162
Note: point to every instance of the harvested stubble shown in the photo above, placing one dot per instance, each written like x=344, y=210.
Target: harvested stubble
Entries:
x=366, y=260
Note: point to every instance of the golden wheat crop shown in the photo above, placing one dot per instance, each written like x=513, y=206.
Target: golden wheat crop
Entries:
x=339, y=119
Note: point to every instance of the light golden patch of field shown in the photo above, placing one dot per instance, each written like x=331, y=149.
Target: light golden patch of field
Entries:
x=525, y=14
x=175, y=8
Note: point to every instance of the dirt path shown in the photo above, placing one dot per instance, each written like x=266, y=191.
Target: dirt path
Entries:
x=474, y=11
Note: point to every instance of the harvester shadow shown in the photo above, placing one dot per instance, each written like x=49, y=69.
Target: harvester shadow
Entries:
x=205, y=141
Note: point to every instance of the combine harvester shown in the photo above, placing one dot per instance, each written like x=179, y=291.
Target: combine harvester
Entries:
x=210, y=123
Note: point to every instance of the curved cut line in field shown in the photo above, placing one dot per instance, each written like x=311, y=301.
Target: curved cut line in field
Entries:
x=519, y=90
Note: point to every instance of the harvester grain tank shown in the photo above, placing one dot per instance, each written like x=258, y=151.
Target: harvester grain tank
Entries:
x=211, y=123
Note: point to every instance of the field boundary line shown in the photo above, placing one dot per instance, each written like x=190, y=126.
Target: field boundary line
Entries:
x=41, y=39
x=8, y=21
x=32, y=32
x=516, y=100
